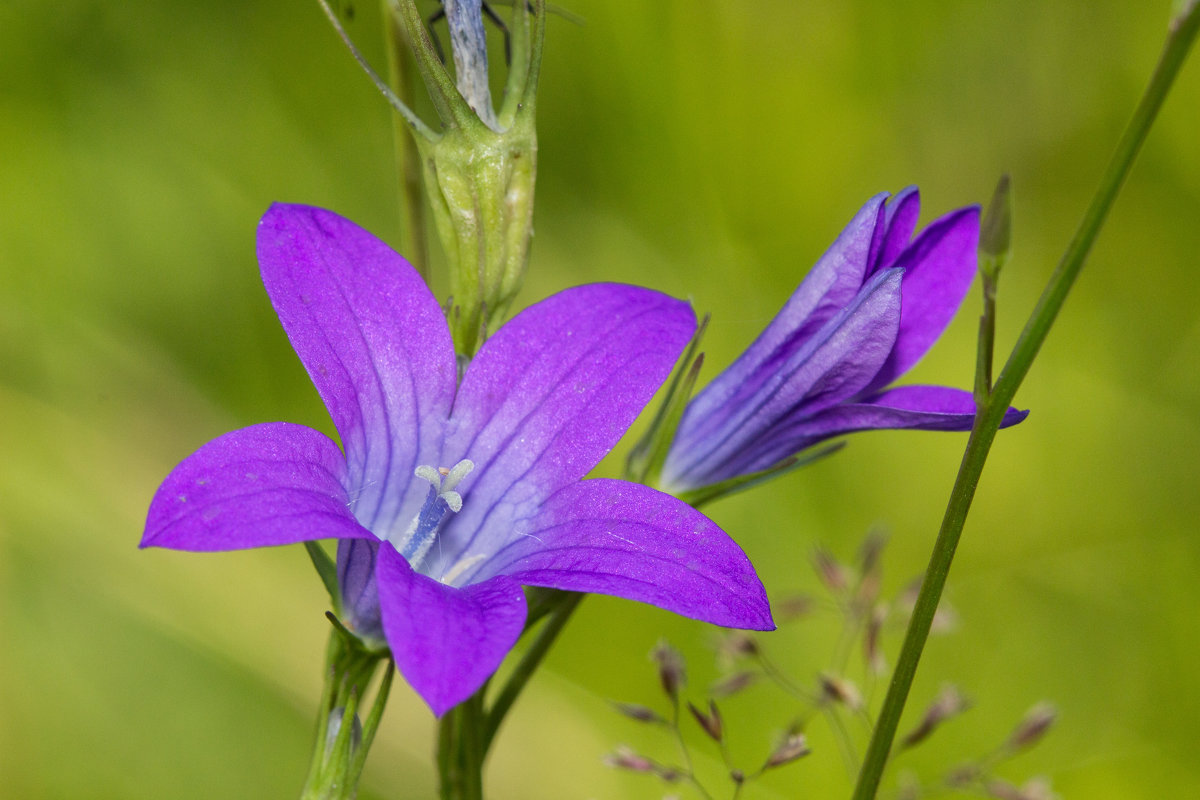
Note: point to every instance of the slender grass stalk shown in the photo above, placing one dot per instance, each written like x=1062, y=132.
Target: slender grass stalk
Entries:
x=1182, y=34
x=402, y=71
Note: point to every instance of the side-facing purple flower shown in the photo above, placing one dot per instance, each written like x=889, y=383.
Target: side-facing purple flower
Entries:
x=448, y=498
x=865, y=314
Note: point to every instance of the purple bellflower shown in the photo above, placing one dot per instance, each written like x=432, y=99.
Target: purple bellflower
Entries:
x=865, y=314
x=449, y=497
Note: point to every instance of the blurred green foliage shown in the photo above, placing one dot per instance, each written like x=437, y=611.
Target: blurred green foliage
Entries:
x=708, y=149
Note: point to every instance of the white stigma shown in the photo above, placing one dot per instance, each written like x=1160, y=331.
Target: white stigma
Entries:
x=416, y=541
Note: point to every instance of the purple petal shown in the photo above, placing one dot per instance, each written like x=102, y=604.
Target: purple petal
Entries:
x=834, y=365
x=938, y=269
x=550, y=394
x=356, y=581
x=264, y=485
x=374, y=342
x=446, y=641
x=830, y=285
x=901, y=220
x=631, y=541
x=929, y=408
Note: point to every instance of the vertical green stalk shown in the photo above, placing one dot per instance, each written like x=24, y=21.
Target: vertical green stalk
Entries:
x=1181, y=35
x=402, y=72
x=461, y=751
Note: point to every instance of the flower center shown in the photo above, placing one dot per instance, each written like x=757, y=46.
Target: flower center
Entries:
x=423, y=530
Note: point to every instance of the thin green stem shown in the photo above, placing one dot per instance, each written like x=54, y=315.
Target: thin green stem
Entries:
x=1179, y=40
x=529, y=663
x=409, y=116
x=402, y=74
x=460, y=751
x=987, y=341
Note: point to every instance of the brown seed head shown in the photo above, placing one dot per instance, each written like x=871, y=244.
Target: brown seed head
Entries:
x=732, y=684
x=793, y=747
x=710, y=722
x=625, y=758
x=841, y=691
x=671, y=670
x=831, y=572
x=639, y=712
x=1033, y=727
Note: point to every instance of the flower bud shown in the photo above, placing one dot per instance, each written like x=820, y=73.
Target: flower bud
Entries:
x=832, y=573
x=336, y=718
x=995, y=232
x=639, y=713
x=732, y=684
x=949, y=703
x=1033, y=727
x=710, y=722
x=793, y=747
x=841, y=691
x=625, y=758
x=671, y=670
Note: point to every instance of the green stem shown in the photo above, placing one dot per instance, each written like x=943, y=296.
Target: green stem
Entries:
x=1182, y=33
x=529, y=663
x=460, y=751
x=987, y=340
x=402, y=69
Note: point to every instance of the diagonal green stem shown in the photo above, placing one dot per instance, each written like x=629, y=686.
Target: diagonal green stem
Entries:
x=565, y=606
x=1180, y=38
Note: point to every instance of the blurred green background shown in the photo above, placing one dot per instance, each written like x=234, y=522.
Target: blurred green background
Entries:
x=709, y=149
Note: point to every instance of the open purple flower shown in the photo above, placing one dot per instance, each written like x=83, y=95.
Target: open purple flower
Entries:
x=868, y=311
x=448, y=498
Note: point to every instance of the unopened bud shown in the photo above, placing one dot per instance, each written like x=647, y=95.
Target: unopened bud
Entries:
x=732, y=684
x=949, y=702
x=995, y=232
x=625, y=758
x=963, y=775
x=831, y=572
x=841, y=691
x=710, y=722
x=639, y=713
x=671, y=670
x=738, y=643
x=669, y=774
x=1033, y=727
x=336, y=717
x=793, y=747
x=871, y=550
